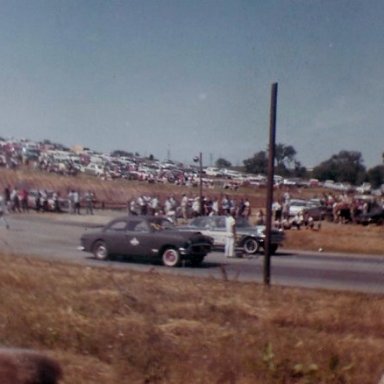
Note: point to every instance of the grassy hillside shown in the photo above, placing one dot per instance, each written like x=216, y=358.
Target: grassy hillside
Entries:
x=119, y=191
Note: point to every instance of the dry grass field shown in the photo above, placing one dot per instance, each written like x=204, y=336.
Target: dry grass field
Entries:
x=116, y=327
x=344, y=238
x=109, y=326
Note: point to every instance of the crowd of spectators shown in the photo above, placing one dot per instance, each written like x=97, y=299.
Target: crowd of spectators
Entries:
x=342, y=208
x=23, y=200
x=189, y=206
x=339, y=208
x=183, y=207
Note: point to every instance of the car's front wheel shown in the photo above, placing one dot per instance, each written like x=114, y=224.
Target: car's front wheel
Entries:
x=100, y=250
x=250, y=246
x=171, y=257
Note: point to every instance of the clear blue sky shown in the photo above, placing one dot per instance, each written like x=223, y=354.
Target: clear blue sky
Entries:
x=175, y=77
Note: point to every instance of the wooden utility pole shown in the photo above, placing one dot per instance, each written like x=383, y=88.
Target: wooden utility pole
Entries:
x=201, y=182
x=270, y=184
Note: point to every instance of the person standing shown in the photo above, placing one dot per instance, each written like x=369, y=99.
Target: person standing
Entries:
x=7, y=196
x=230, y=235
x=89, y=199
x=71, y=204
x=184, y=207
x=15, y=200
x=154, y=205
x=24, y=200
x=76, y=202
x=3, y=211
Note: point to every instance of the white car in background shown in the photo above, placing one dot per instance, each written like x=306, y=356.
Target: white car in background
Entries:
x=94, y=169
x=297, y=207
x=249, y=238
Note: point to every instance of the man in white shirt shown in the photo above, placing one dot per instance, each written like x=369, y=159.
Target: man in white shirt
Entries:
x=230, y=235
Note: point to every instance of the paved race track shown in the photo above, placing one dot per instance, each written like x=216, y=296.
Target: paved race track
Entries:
x=56, y=237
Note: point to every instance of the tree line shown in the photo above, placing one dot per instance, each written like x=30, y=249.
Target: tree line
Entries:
x=344, y=167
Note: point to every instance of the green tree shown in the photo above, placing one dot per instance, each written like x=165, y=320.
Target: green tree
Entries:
x=346, y=166
x=120, y=152
x=223, y=163
x=257, y=164
x=286, y=163
x=284, y=159
x=375, y=176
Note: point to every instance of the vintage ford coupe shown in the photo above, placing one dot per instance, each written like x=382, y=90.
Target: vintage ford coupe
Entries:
x=151, y=237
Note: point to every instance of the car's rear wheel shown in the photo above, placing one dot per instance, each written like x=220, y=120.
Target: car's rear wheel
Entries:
x=250, y=246
x=100, y=250
x=171, y=257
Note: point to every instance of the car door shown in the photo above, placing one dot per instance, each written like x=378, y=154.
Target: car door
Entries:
x=203, y=224
x=138, y=238
x=115, y=237
x=218, y=228
x=213, y=226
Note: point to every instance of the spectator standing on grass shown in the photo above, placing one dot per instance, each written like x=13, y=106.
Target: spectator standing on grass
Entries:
x=225, y=204
x=133, y=207
x=15, y=200
x=240, y=208
x=215, y=207
x=24, y=200
x=3, y=211
x=89, y=198
x=7, y=196
x=76, y=202
x=260, y=217
x=71, y=206
x=247, y=210
x=184, y=206
x=141, y=202
x=154, y=205
x=196, y=207
x=56, y=203
x=230, y=234
x=277, y=211
x=38, y=205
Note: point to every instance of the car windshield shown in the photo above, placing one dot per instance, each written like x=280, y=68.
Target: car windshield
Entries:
x=216, y=222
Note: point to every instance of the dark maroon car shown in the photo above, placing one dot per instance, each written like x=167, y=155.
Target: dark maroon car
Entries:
x=151, y=237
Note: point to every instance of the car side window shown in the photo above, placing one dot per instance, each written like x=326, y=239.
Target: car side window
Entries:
x=142, y=226
x=197, y=222
x=132, y=225
x=220, y=222
x=118, y=226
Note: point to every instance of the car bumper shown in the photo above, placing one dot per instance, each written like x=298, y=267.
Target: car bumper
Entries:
x=195, y=250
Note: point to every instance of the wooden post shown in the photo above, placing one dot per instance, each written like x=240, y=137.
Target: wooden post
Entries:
x=270, y=184
x=201, y=182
